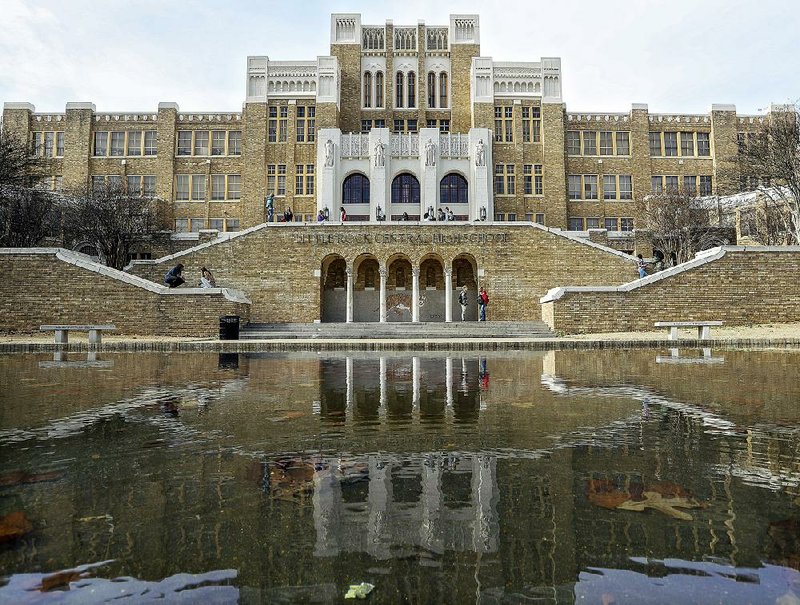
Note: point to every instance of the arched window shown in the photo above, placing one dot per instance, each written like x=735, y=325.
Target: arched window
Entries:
x=453, y=190
x=400, y=278
x=367, y=89
x=443, y=89
x=399, y=89
x=431, y=89
x=405, y=189
x=430, y=278
x=379, y=89
x=412, y=89
x=369, y=278
x=355, y=189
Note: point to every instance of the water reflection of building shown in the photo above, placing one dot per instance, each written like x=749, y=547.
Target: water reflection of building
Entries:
x=363, y=388
x=438, y=502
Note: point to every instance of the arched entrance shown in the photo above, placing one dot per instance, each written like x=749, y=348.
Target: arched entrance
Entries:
x=366, y=289
x=334, y=289
x=464, y=274
x=431, y=289
x=398, y=289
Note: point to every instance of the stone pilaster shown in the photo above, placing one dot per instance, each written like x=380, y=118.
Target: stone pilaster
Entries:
x=78, y=145
x=254, y=170
x=724, y=149
x=165, y=151
x=554, y=168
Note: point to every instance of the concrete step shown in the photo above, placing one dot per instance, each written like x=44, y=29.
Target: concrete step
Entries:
x=397, y=330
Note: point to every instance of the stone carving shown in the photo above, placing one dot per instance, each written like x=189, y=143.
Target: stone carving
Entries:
x=430, y=153
x=380, y=157
x=480, y=154
x=329, y=153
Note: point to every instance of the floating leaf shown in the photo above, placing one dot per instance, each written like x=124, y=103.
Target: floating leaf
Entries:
x=13, y=526
x=359, y=591
x=668, y=506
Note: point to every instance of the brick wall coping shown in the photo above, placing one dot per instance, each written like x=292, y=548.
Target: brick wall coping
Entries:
x=701, y=258
x=227, y=236
x=80, y=260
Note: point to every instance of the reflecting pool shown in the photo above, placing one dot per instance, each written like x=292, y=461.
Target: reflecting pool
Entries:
x=603, y=476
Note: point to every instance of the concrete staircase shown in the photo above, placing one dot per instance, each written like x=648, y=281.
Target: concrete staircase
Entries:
x=398, y=330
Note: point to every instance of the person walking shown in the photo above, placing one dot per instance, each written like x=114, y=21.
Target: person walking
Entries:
x=269, y=204
x=483, y=300
x=641, y=266
x=462, y=300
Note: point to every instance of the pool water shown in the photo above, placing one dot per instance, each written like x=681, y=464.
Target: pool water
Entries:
x=603, y=476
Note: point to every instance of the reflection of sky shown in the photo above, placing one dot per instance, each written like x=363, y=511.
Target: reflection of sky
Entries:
x=677, y=581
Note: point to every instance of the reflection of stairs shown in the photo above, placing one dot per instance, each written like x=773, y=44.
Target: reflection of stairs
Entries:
x=399, y=330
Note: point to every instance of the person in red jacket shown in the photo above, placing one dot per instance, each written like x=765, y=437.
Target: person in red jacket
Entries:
x=483, y=300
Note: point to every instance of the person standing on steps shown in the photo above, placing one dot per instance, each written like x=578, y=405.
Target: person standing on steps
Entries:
x=269, y=204
x=483, y=300
x=641, y=265
x=462, y=300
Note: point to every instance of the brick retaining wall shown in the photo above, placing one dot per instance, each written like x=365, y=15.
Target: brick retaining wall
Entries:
x=54, y=286
x=734, y=284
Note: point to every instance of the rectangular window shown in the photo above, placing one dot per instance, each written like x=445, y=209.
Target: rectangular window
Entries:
x=540, y=218
x=366, y=126
x=623, y=143
x=59, y=144
x=309, y=179
x=98, y=184
x=197, y=223
x=655, y=144
x=399, y=125
x=101, y=144
x=444, y=125
x=182, y=187
x=134, y=186
x=512, y=216
x=690, y=185
x=511, y=187
x=311, y=124
x=609, y=187
x=184, y=142
x=499, y=180
x=149, y=186
x=592, y=223
x=59, y=181
x=611, y=224
x=575, y=224
x=272, y=124
x=527, y=179
x=232, y=224
x=36, y=143
x=234, y=191
x=573, y=142
x=181, y=225
x=281, y=180
x=198, y=187
x=687, y=144
x=590, y=186
x=216, y=223
x=114, y=182
x=201, y=142
x=217, y=187
x=411, y=126
x=574, y=186
x=589, y=142
x=300, y=124
x=271, y=174
x=531, y=124
x=150, y=139
x=626, y=224
x=705, y=185
x=49, y=140
x=218, y=142
x=305, y=124
x=283, y=121
x=703, y=144
x=135, y=142
x=234, y=142
x=430, y=124
x=380, y=123
x=670, y=143
x=671, y=184
x=625, y=187
x=657, y=184
x=117, y=143
x=606, y=142
x=538, y=180
x=503, y=124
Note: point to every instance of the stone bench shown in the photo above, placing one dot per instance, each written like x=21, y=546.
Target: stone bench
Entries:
x=703, y=327
x=62, y=332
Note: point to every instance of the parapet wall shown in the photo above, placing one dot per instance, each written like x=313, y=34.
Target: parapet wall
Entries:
x=735, y=284
x=55, y=286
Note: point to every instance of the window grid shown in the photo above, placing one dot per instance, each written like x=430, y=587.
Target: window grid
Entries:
x=141, y=185
x=306, y=123
x=504, y=179
x=200, y=142
x=532, y=179
x=304, y=179
x=582, y=186
x=278, y=118
x=503, y=124
x=531, y=125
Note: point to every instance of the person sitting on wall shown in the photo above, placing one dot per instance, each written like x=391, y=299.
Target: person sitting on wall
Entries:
x=207, y=279
x=441, y=215
x=405, y=216
x=343, y=215
x=450, y=215
x=173, y=277
x=288, y=215
x=320, y=217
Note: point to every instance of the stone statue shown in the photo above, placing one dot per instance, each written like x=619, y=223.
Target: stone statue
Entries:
x=379, y=154
x=329, y=153
x=430, y=153
x=480, y=154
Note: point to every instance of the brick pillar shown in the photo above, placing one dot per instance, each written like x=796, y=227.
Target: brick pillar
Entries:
x=78, y=134
x=554, y=165
x=254, y=169
x=165, y=152
x=17, y=120
x=724, y=149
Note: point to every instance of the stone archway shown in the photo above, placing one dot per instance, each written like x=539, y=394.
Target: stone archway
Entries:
x=334, y=289
x=366, y=289
x=465, y=269
x=431, y=289
x=399, y=280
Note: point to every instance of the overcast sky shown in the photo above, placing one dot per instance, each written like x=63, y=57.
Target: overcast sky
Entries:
x=127, y=55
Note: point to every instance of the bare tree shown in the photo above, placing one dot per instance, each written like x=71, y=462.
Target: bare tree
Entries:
x=17, y=164
x=678, y=224
x=772, y=154
x=113, y=221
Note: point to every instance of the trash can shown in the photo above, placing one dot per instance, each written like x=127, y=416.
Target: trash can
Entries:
x=229, y=327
